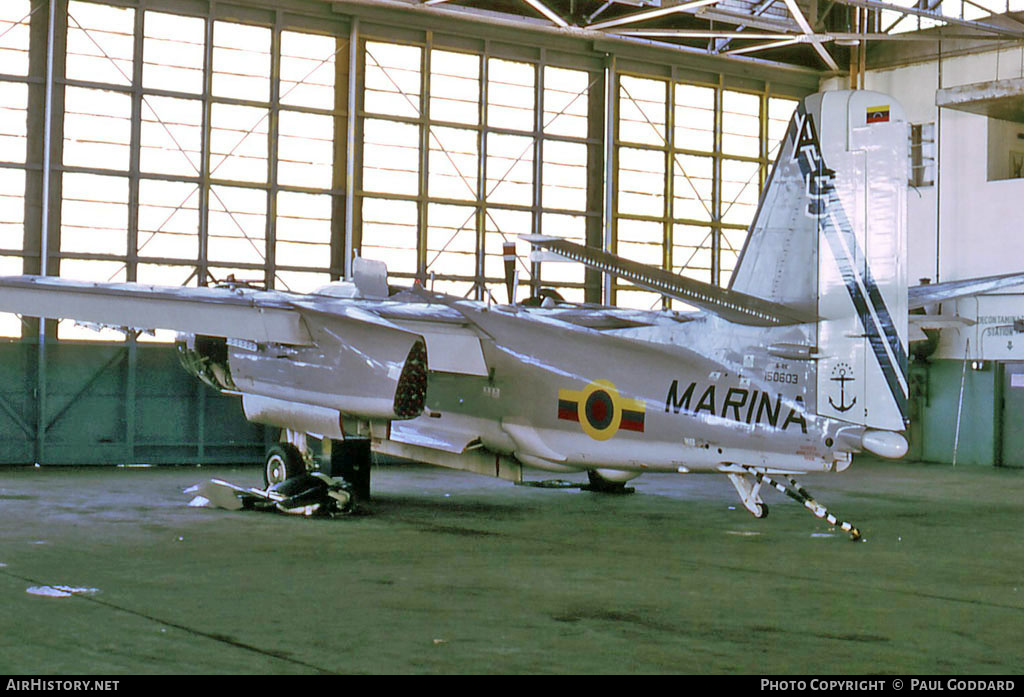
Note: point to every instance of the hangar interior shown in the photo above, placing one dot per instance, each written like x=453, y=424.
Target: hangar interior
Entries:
x=189, y=142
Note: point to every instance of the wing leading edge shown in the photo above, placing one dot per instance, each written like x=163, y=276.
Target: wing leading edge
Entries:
x=931, y=293
x=234, y=313
x=729, y=304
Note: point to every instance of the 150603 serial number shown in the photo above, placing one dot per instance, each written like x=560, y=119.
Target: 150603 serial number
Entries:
x=784, y=378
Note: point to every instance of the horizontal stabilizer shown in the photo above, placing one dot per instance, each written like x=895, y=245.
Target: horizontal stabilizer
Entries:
x=233, y=313
x=730, y=305
x=931, y=293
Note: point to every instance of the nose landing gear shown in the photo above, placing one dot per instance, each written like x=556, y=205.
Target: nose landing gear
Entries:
x=748, y=485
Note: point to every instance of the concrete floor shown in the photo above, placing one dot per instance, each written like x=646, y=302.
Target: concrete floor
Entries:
x=457, y=573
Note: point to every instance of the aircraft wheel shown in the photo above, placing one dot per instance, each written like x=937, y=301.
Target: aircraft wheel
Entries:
x=284, y=461
x=762, y=510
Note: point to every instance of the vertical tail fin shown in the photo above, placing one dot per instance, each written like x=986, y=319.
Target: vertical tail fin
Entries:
x=830, y=236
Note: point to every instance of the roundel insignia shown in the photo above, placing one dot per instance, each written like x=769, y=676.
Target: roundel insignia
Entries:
x=600, y=411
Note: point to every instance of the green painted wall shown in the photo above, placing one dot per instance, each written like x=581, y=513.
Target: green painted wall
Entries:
x=116, y=404
x=935, y=400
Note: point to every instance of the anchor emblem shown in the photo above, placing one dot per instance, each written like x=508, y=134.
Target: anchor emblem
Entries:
x=842, y=374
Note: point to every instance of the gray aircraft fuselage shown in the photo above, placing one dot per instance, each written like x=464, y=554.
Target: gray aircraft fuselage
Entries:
x=685, y=393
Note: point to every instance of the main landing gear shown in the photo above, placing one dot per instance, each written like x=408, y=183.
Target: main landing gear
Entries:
x=748, y=485
x=283, y=461
x=347, y=459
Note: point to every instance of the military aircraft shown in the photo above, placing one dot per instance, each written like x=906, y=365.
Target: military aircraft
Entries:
x=797, y=365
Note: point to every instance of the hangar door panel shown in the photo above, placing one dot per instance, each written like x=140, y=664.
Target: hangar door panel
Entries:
x=1012, y=415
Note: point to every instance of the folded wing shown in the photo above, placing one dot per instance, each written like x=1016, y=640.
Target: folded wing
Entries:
x=233, y=313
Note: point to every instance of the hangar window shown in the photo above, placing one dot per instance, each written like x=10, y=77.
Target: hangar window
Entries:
x=15, y=16
x=171, y=200
x=741, y=179
x=780, y=111
x=741, y=125
x=454, y=87
x=173, y=50
x=483, y=148
x=304, y=215
x=565, y=176
x=241, y=61
x=101, y=47
x=452, y=164
x=171, y=136
x=693, y=175
x=12, y=208
x=238, y=143
x=303, y=235
x=10, y=324
x=565, y=102
x=391, y=155
x=392, y=79
x=641, y=179
x=510, y=94
x=97, y=121
x=13, y=125
x=97, y=129
x=238, y=223
x=94, y=221
x=390, y=232
x=167, y=180
x=693, y=194
x=694, y=117
x=168, y=221
x=695, y=167
x=13, y=121
x=12, y=226
x=451, y=243
x=305, y=149
x=564, y=173
x=509, y=169
x=308, y=62
x=642, y=110
x=195, y=147
x=509, y=166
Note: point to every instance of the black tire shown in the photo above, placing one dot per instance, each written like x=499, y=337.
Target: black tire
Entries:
x=283, y=461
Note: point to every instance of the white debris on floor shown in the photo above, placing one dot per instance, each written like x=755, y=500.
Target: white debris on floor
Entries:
x=60, y=591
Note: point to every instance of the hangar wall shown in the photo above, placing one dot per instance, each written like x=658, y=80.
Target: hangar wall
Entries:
x=186, y=141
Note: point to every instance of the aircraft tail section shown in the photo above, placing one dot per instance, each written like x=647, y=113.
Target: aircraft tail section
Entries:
x=829, y=239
